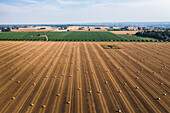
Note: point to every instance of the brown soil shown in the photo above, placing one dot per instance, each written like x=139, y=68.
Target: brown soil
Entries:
x=124, y=32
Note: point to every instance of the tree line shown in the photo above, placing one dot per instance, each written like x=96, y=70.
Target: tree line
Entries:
x=5, y=29
x=160, y=35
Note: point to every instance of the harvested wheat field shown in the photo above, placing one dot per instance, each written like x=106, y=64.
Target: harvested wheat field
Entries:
x=83, y=77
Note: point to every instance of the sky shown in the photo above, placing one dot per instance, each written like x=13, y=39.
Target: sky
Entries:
x=83, y=11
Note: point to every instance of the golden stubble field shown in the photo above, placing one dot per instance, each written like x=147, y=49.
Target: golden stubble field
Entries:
x=82, y=77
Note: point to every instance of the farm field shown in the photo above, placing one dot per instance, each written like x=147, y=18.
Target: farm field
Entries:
x=72, y=36
x=137, y=39
x=82, y=77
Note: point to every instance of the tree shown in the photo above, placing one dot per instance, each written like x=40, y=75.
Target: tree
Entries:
x=6, y=29
x=166, y=37
x=158, y=35
x=139, y=28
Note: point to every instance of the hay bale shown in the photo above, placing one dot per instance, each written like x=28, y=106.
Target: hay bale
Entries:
x=54, y=76
x=90, y=91
x=58, y=95
x=11, y=79
x=18, y=81
x=161, y=83
x=99, y=92
x=106, y=82
x=31, y=104
x=43, y=106
x=137, y=87
x=125, y=84
x=79, y=89
x=71, y=75
x=13, y=98
x=160, y=72
x=119, y=91
x=158, y=98
x=33, y=84
x=68, y=102
x=119, y=111
x=164, y=94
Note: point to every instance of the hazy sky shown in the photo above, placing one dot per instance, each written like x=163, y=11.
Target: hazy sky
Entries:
x=82, y=11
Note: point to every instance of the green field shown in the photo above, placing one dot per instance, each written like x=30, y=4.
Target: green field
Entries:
x=137, y=39
x=72, y=36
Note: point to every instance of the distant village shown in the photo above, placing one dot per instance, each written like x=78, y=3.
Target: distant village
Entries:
x=20, y=28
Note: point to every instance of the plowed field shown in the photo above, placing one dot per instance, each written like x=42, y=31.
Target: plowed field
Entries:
x=82, y=77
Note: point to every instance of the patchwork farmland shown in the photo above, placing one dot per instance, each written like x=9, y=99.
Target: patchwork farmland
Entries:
x=83, y=77
x=72, y=36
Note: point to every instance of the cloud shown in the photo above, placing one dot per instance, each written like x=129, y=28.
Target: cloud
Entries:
x=5, y=8
x=53, y=12
x=69, y=2
x=30, y=1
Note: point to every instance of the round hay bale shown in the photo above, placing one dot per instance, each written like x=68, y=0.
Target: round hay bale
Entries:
x=137, y=87
x=54, y=76
x=79, y=89
x=164, y=94
x=99, y=92
x=90, y=91
x=125, y=84
x=161, y=83
x=43, y=106
x=33, y=84
x=31, y=104
x=13, y=98
x=158, y=98
x=71, y=75
x=106, y=82
x=68, y=102
x=137, y=77
x=11, y=79
x=160, y=72
x=58, y=95
x=18, y=81
x=119, y=91
x=119, y=111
